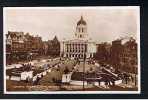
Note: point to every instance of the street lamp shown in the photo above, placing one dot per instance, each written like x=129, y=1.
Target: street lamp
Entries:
x=135, y=76
x=84, y=70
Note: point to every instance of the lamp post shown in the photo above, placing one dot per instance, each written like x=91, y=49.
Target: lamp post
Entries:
x=135, y=76
x=84, y=71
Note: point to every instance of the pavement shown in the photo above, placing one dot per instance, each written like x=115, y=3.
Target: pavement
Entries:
x=46, y=83
x=87, y=66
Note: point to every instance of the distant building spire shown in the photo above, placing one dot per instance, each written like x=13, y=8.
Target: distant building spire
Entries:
x=55, y=39
x=81, y=17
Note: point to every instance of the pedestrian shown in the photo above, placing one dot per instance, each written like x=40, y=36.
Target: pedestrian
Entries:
x=37, y=80
x=126, y=79
x=41, y=75
x=99, y=81
x=113, y=83
x=53, y=80
x=132, y=78
x=106, y=84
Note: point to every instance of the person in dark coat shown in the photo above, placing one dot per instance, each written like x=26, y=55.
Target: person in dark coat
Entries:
x=113, y=82
x=99, y=82
x=106, y=83
x=66, y=71
x=37, y=80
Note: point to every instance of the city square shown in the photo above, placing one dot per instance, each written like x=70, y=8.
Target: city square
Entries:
x=57, y=72
x=79, y=63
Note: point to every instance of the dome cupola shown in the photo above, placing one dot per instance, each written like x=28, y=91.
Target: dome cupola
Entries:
x=81, y=29
x=81, y=21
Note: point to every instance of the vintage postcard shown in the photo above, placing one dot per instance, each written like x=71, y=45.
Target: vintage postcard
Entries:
x=76, y=50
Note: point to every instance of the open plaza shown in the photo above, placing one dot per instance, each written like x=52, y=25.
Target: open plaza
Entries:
x=66, y=74
x=99, y=56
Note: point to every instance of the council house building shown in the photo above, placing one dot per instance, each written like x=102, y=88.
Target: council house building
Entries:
x=80, y=45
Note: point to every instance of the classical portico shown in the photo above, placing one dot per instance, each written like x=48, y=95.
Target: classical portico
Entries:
x=80, y=45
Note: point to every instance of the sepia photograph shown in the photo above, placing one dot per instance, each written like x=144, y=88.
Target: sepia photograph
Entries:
x=76, y=50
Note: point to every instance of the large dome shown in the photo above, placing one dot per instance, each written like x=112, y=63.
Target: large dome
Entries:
x=81, y=21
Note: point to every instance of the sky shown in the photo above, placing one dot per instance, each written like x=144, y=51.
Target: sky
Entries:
x=103, y=23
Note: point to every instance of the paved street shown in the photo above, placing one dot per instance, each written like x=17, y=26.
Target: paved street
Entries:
x=17, y=86
x=47, y=83
x=87, y=66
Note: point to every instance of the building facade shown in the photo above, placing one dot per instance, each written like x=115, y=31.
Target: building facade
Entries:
x=20, y=46
x=33, y=44
x=103, y=52
x=115, y=53
x=81, y=45
x=14, y=46
x=123, y=56
x=129, y=57
x=16, y=41
x=53, y=47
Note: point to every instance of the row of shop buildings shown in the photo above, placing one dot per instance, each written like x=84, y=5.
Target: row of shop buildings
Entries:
x=120, y=54
x=21, y=46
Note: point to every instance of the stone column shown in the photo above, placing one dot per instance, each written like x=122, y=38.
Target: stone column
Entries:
x=73, y=48
x=77, y=48
x=92, y=55
x=66, y=46
x=80, y=48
